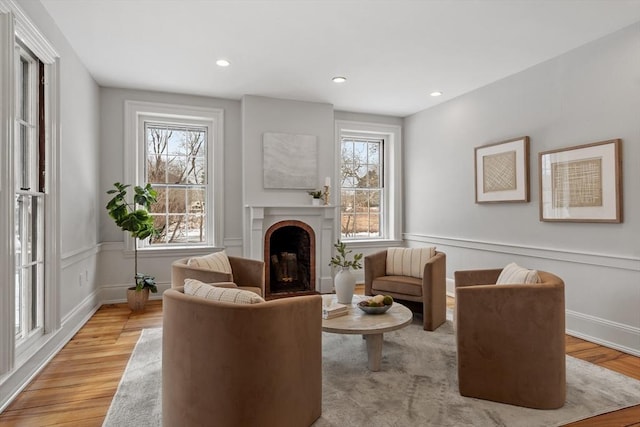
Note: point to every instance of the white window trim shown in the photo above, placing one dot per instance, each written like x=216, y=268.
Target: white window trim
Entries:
x=392, y=135
x=15, y=23
x=134, y=112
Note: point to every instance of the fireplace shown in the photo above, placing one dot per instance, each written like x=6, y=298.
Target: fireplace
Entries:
x=290, y=262
x=318, y=222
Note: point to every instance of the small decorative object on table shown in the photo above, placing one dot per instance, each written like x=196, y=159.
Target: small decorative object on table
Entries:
x=334, y=310
x=377, y=305
x=344, y=282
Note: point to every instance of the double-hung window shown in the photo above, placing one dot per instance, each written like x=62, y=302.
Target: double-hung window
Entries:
x=29, y=184
x=178, y=150
x=370, y=182
x=361, y=186
x=29, y=196
x=176, y=167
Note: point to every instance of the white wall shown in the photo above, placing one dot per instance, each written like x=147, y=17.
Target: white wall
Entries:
x=587, y=95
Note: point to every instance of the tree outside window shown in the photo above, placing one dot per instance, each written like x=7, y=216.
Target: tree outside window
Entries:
x=176, y=167
x=361, y=189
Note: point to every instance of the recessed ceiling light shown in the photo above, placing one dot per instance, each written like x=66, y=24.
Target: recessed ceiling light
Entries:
x=436, y=93
x=222, y=63
x=339, y=79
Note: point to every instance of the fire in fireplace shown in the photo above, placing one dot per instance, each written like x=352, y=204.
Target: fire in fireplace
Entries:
x=289, y=254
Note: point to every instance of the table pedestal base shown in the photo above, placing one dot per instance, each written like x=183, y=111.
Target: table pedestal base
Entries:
x=374, y=351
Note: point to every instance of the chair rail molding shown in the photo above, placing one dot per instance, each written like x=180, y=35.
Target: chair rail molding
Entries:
x=566, y=255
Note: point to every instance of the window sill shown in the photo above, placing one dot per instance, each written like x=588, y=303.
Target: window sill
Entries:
x=373, y=243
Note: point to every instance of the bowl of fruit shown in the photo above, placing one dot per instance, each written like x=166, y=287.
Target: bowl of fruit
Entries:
x=376, y=305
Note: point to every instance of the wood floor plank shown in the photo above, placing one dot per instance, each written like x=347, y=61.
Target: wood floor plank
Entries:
x=625, y=364
x=77, y=386
x=628, y=417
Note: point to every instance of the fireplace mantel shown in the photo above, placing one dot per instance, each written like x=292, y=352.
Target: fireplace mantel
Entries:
x=321, y=219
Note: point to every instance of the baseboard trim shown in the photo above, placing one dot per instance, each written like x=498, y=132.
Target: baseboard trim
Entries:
x=584, y=326
x=116, y=294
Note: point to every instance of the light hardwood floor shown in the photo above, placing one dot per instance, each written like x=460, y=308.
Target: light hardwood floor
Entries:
x=76, y=387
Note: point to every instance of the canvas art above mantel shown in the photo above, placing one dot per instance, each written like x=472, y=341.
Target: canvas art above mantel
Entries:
x=290, y=161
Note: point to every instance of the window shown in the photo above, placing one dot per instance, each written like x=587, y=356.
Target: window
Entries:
x=178, y=150
x=177, y=169
x=370, y=207
x=361, y=187
x=29, y=197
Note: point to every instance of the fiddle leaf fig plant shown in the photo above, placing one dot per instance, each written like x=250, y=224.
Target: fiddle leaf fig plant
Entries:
x=134, y=218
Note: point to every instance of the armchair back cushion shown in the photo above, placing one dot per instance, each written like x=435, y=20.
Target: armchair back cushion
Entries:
x=220, y=293
x=408, y=261
x=216, y=261
x=513, y=273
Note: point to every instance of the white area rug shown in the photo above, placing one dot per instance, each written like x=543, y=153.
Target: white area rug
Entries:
x=417, y=386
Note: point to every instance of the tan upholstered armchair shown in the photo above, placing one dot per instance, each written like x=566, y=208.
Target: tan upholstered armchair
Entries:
x=428, y=291
x=228, y=364
x=246, y=274
x=511, y=339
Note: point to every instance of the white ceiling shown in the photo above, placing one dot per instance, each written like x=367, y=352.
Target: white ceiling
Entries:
x=394, y=52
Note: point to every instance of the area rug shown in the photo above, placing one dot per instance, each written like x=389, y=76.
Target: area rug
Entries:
x=417, y=385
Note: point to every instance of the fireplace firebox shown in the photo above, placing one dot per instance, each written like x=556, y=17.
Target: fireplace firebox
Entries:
x=289, y=254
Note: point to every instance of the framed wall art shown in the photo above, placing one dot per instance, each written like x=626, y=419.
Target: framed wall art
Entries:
x=290, y=161
x=502, y=171
x=582, y=183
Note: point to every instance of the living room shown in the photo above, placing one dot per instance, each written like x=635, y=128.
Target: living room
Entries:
x=584, y=94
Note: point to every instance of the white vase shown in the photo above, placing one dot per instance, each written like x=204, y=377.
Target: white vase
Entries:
x=345, y=285
x=315, y=202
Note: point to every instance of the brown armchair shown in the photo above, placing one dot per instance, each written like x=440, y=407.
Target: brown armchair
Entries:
x=511, y=339
x=228, y=364
x=429, y=292
x=246, y=273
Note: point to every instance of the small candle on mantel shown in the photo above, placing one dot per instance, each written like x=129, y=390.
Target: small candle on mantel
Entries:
x=327, y=182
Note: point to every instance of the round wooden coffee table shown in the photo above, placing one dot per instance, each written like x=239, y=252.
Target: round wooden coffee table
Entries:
x=370, y=326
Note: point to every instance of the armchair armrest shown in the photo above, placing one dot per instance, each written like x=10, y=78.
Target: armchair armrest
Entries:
x=248, y=272
x=476, y=277
x=434, y=288
x=375, y=265
x=180, y=271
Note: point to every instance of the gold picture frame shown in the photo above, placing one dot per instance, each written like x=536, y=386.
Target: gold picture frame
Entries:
x=582, y=183
x=502, y=171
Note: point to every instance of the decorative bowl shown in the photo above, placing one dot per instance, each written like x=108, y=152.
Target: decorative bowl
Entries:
x=362, y=305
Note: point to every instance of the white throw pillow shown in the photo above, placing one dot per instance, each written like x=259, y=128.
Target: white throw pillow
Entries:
x=514, y=274
x=224, y=294
x=408, y=261
x=217, y=261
